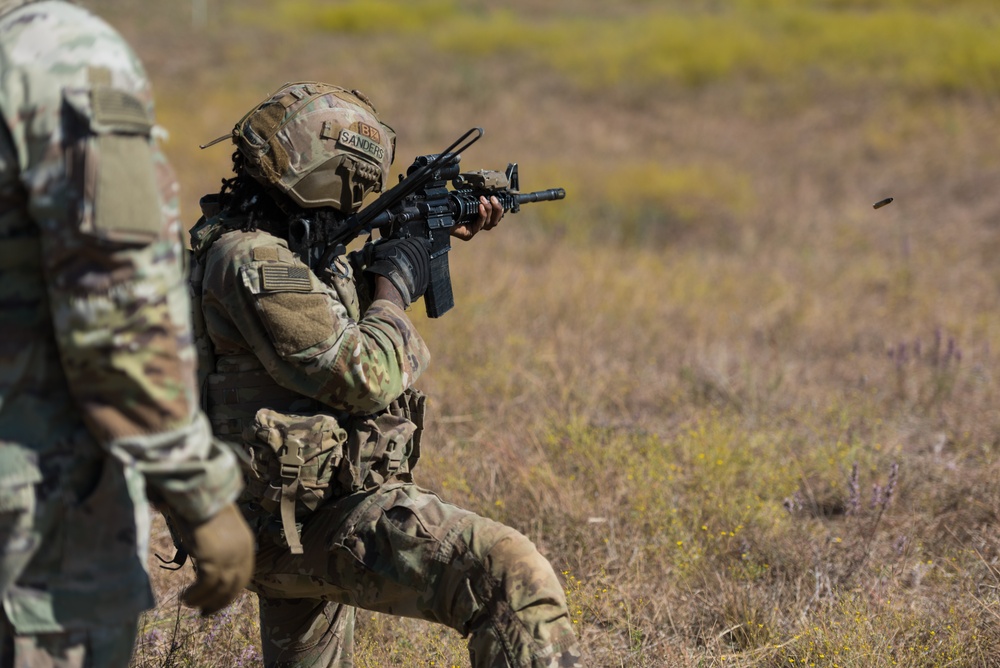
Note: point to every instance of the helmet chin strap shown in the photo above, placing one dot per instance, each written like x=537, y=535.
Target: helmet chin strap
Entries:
x=308, y=235
x=301, y=238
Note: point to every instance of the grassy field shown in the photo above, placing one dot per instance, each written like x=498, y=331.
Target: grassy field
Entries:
x=751, y=420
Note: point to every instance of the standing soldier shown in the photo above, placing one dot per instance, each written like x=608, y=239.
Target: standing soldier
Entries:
x=315, y=382
x=98, y=399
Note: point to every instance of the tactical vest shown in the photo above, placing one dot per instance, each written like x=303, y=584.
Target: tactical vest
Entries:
x=299, y=453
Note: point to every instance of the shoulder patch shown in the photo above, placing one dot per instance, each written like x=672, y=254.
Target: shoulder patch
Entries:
x=99, y=76
x=366, y=130
x=262, y=253
x=120, y=109
x=283, y=278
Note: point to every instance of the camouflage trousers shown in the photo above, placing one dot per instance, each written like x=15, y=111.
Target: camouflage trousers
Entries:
x=110, y=646
x=72, y=559
x=400, y=550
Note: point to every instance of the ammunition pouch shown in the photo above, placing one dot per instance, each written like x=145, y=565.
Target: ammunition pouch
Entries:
x=295, y=463
x=385, y=446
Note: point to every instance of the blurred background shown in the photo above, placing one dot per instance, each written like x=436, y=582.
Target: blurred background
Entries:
x=751, y=419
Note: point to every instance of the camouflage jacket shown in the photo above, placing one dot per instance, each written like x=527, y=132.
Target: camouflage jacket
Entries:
x=96, y=354
x=262, y=304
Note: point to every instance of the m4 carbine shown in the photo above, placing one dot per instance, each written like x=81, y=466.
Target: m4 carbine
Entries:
x=422, y=205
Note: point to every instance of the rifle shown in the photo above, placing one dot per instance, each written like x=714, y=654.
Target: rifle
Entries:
x=422, y=205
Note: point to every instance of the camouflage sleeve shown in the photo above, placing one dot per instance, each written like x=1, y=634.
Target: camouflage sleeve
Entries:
x=360, y=367
x=304, y=334
x=80, y=114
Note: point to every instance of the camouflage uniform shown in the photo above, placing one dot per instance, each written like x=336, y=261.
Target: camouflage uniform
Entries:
x=300, y=370
x=98, y=399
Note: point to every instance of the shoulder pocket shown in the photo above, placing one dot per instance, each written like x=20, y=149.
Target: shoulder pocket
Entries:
x=112, y=160
x=295, y=311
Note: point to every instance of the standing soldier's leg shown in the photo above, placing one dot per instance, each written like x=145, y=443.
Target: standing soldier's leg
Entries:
x=306, y=632
x=403, y=551
x=18, y=538
x=110, y=647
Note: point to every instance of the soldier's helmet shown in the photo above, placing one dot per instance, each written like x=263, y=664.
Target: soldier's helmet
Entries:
x=321, y=145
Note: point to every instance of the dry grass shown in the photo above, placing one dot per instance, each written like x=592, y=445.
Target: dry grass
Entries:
x=695, y=382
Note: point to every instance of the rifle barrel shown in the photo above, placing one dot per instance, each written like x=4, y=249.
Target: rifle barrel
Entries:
x=541, y=195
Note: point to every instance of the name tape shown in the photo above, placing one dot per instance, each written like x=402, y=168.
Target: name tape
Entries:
x=357, y=142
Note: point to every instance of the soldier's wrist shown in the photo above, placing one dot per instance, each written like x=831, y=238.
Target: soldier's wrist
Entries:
x=384, y=289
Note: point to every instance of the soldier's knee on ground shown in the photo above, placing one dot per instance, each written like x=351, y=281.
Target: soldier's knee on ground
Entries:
x=524, y=619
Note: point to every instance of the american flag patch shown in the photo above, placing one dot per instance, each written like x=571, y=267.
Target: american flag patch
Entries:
x=282, y=278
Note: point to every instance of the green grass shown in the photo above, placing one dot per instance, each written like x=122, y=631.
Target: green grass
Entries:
x=922, y=48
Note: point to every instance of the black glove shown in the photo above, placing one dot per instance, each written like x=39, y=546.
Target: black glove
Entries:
x=406, y=263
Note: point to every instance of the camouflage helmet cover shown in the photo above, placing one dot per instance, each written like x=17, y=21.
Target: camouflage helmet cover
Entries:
x=321, y=145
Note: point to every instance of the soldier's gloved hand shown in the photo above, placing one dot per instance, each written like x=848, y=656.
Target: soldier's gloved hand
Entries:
x=490, y=213
x=223, y=548
x=406, y=263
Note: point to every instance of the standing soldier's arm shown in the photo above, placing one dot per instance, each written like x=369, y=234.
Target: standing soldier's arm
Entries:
x=108, y=237
x=105, y=201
